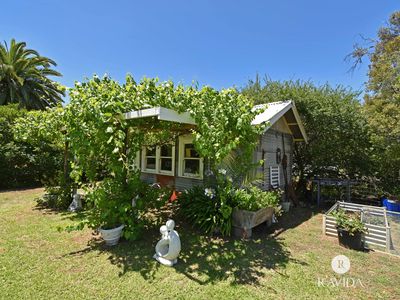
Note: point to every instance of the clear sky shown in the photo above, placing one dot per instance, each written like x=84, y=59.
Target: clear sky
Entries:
x=219, y=43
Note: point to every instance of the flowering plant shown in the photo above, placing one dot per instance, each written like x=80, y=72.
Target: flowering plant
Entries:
x=209, y=192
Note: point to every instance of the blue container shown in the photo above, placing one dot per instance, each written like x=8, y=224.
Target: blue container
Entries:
x=391, y=205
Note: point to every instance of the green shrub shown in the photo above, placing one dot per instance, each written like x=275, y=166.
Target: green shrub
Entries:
x=253, y=198
x=113, y=203
x=350, y=222
x=58, y=193
x=208, y=208
x=23, y=164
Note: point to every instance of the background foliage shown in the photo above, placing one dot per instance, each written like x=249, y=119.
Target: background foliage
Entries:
x=23, y=164
x=339, y=142
x=382, y=100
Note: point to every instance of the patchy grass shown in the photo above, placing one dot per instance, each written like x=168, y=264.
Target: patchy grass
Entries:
x=283, y=262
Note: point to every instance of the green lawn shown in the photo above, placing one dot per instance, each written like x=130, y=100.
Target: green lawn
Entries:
x=285, y=262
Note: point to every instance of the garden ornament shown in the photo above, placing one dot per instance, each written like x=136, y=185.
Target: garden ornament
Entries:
x=76, y=203
x=168, y=248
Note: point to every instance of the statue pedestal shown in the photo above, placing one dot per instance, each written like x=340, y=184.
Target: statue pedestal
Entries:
x=165, y=262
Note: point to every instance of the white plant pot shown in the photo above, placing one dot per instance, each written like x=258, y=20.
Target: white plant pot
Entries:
x=286, y=206
x=111, y=236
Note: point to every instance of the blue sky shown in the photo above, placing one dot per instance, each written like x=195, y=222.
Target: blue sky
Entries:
x=218, y=43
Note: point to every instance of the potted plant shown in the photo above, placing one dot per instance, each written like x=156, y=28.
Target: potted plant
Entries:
x=116, y=206
x=253, y=206
x=350, y=229
x=285, y=206
x=105, y=214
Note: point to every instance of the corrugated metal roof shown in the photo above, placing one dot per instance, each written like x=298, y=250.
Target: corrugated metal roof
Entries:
x=273, y=112
x=276, y=110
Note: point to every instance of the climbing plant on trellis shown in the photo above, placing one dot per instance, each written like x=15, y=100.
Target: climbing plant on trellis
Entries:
x=100, y=138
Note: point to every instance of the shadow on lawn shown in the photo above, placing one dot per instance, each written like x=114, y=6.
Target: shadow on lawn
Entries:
x=206, y=259
x=292, y=219
x=203, y=259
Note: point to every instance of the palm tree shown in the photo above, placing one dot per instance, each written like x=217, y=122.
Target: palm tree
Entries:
x=23, y=77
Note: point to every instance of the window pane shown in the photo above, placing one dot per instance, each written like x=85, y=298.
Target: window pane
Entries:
x=151, y=152
x=166, y=164
x=191, y=166
x=166, y=150
x=190, y=151
x=150, y=163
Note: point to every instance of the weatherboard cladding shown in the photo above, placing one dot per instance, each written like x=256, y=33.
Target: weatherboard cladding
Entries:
x=270, y=141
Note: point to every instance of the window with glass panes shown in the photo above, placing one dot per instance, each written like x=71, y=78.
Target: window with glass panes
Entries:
x=167, y=159
x=190, y=162
x=149, y=159
x=160, y=159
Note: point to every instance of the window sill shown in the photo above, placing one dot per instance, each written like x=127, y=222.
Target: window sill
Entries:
x=166, y=173
x=149, y=171
x=157, y=173
x=198, y=177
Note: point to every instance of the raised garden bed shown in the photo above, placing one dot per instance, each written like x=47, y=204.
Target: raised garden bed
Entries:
x=374, y=218
x=243, y=221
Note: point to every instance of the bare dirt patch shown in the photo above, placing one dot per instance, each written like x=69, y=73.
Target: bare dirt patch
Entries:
x=83, y=237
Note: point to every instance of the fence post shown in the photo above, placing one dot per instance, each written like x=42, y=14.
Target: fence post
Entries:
x=324, y=224
x=388, y=239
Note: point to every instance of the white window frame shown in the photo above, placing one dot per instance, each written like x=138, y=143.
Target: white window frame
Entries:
x=183, y=140
x=158, y=158
x=144, y=161
x=160, y=171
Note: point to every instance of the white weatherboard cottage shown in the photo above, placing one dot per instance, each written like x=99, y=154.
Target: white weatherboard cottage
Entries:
x=179, y=165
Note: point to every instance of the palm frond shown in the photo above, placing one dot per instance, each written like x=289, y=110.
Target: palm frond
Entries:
x=24, y=77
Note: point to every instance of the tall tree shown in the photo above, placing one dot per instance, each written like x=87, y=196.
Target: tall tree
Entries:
x=382, y=99
x=24, y=77
x=338, y=135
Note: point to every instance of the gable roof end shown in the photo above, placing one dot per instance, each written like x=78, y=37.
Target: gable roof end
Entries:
x=275, y=111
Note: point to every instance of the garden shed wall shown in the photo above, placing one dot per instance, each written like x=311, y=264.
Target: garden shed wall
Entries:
x=270, y=141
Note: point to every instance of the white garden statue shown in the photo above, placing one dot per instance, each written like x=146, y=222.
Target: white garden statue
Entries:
x=168, y=248
x=76, y=203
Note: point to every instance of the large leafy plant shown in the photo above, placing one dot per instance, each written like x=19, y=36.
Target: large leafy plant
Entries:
x=253, y=198
x=207, y=208
x=350, y=222
x=114, y=203
x=210, y=206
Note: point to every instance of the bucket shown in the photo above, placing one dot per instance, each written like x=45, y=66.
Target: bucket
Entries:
x=391, y=205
